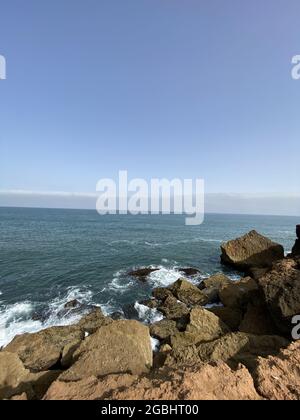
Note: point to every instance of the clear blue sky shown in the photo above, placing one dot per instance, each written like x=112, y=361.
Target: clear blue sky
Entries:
x=162, y=88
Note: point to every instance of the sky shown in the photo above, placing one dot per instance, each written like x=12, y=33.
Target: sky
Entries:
x=160, y=88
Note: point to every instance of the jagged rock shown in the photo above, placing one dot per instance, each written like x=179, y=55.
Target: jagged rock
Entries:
x=281, y=290
x=142, y=273
x=203, y=326
x=123, y=346
x=204, y=382
x=257, y=321
x=278, y=377
x=251, y=250
x=172, y=309
x=163, y=329
x=241, y=348
x=16, y=380
x=72, y=304
x=94, y=320
x=130, y=311
x=187, y=293
x=42, y=351
x=161, y=293
x=232, y=317
x=237, y=294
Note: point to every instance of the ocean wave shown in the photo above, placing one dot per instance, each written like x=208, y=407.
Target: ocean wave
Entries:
x=148, y=315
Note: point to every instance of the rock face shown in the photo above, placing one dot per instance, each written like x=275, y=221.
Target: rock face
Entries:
x=123, y=346
x=15, y=379
x=204, y=382
x=230, y=316
x=281, y=289
x=251, y=250
x=187, y=293
x=41, y=351
x=278, y=377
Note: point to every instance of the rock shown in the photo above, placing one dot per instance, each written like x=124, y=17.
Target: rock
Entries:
x=163, y=329
x=116, y=316
x=257, y=321
x=190, y=272
x=278, y=377
x=16, y=380
x=216, y=282
x=237, y=294
x=161, y=293
x=232, y=317
x=203, y=382
x=94, y=320
x=142, y=273
x=150, y=303
x=281, y=290
x=242, y=348
x=187, y=293
x=172, y=309
x=251, y=250
x=42, y=351
x=203, y=326
x=123, y=346
x=130, y=311
x=257, y=273
x=72, y=304
x=296, y=249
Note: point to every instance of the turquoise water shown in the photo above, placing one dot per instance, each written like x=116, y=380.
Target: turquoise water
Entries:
x=49, y=257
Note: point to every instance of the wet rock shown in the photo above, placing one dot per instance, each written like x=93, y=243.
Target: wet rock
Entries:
x=150, y=303
x=130, y=312
x=190, y=272
x=72, y=304
x=239, y=293
x=281, y=290
x=187, y=293
x=172, y=309
x=251, y=250
x=163, y=329
x=278, y=377
x=123, y=346
x=204, y=382
x=142, y=273
x=42, y=351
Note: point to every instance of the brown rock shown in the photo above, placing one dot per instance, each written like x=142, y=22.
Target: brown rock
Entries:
x=257, y=321
x=172, y=309
x=123, y=346
x=216, y=281
x=142, y=273
x=187, y=293
x=204, y=382
x=41, y=351
x=190, y=272
x=232, y=317
x=237, y=294
x=161, y=293
x=281, y=290
x=94, y=320
x=278, y=377
x=251, y=250
x=163, y=329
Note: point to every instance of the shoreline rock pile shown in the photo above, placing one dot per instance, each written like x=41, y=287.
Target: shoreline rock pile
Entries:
x=222, y=339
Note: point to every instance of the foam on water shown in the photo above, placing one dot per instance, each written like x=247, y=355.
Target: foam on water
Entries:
x=148, y=315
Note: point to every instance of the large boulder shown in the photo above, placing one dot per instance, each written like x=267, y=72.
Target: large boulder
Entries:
x=163, y=329
x=232, y=317
x=281, y=289
x=203, y=326
x=187, y=293
x=237, y=294
x=123, y=346
x=43, y=350
x=204, y=382
x=257, y=321
x=278, y=377
x=172, y=309
x=16, y=380
x=251, y=250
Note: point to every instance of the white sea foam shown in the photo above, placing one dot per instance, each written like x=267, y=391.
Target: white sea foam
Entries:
x=148, y=315
x=155, y=344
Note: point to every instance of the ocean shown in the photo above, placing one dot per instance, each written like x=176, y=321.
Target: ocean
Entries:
x=50, y=257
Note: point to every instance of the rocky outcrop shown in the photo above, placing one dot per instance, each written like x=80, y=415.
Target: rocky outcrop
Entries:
x=187, y=293
x=172, y=309
x=16, y=380
x=122, y=346
x=281, y=289
x=204, y=382
x=278, y=377
x=251, y=250
x=94, y=320
x=43, y=350
x=237, y=294
x=162, y=330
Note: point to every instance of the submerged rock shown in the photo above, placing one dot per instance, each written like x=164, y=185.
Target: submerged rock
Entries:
x=251, y=250
x=142, y=273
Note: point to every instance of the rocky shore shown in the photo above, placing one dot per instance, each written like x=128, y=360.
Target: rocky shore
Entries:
x=220, y=339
